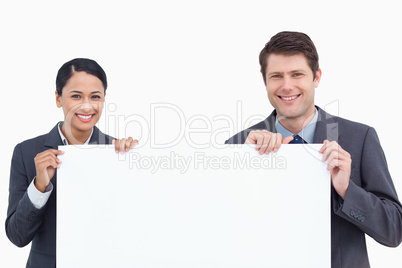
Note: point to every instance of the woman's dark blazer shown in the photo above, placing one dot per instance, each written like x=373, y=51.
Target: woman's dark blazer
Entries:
x=25, y=223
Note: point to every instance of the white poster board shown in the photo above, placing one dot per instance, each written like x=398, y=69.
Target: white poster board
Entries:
x=181, y=207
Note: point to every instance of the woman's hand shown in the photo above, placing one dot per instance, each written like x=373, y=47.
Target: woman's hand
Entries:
x=46, y=163
x=124, y=145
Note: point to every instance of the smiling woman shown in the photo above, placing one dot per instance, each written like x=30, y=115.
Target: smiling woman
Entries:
x=31, y=217
x=82, y=101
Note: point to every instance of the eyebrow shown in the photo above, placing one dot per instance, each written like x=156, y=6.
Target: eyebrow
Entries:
x=293, y=71
x=77, y=91
x=298, y=71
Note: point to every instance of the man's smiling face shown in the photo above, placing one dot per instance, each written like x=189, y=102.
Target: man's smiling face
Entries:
x=290, y=85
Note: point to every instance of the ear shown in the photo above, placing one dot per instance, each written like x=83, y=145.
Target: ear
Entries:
x=317, y=79
x=58, y=100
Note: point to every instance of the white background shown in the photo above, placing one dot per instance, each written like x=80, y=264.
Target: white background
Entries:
x=200, y=56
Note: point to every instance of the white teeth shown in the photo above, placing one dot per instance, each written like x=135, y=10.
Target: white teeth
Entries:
x=84, y=116
x=289, y=98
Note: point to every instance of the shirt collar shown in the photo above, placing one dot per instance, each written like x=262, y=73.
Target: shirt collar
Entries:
x=307, y=133
x=64, y=140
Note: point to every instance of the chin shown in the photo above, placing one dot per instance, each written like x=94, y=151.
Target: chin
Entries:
x=289, y=114
x=294, y=113
x=84, y=126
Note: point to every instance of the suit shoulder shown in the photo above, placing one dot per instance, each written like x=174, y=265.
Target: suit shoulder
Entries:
x=354, y=134
x=346, y=124
x=39, y=140
x=28, y=149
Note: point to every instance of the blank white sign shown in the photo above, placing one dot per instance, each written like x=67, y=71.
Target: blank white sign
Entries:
x=184, y=207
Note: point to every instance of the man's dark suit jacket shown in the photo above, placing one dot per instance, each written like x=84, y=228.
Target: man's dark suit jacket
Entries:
x=24, y=222
x=371, y=204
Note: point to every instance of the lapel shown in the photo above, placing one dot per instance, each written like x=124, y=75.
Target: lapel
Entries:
x=327, y=128
x=53, y=139
x=98, y=137
x=269, y=123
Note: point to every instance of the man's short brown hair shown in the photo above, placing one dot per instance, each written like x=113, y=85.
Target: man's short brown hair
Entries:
x=290, y=43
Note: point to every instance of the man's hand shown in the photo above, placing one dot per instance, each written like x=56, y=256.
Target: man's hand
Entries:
x=339, y=164
x=124, y=145
x=46, y=163
x=266, y=141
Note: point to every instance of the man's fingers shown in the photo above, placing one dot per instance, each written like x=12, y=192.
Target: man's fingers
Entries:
x=328, y=148
x=324, y=146
x=264, y=141
x=333, y=160
x=259, y=141
x=287, y=140
x=251, y=138
x=273, y=144
x=267, y=140
x=335, y=156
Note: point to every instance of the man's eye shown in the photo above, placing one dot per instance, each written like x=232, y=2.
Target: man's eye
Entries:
x=297, y=74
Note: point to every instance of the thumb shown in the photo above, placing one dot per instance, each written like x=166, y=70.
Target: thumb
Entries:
x=287, y=140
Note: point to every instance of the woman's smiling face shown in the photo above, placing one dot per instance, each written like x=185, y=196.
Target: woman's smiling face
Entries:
x=82, y=100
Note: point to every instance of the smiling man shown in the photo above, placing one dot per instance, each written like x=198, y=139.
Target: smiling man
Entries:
x=363, y=197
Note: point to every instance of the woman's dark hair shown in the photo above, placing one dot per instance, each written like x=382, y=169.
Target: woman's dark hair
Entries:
x=79, y=65
x=290, y=43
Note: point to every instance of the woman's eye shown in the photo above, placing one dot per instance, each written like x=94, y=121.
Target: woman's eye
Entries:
x=76, y=96
x=96, y=97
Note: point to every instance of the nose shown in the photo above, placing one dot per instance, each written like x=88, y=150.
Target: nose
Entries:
x=287, y=83
x=86, y=105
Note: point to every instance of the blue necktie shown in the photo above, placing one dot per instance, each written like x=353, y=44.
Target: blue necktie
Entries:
x=297, y=139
